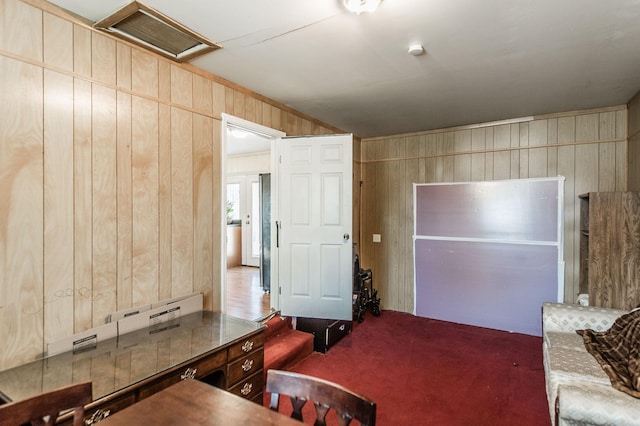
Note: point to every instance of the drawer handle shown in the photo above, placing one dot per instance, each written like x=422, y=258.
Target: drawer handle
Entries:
x=247, y=346
x=189, y=373
x=246, y=389
x=97, y=416
x=247, y=365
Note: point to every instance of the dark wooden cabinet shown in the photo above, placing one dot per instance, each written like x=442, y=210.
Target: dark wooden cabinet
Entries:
x=326, y=332
x=610, y=249
x=223, y=351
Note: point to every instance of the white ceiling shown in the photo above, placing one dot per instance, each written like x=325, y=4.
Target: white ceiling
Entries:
x=485, y=60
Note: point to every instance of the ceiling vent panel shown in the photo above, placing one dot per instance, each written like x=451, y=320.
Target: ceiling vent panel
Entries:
x=152, y=30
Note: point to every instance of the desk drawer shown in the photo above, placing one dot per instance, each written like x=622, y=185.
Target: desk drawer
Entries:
x=96, y=411
x=246, y=346
x=250, y=387
x=245, y=367
x=194, y=370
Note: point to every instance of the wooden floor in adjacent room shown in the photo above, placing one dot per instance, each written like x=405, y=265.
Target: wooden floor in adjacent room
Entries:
x=245, y=297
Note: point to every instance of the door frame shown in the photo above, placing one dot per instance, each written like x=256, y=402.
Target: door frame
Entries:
x=273, y=134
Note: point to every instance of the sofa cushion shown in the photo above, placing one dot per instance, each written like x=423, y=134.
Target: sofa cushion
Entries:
x=596, y=404
x=568, y=366
x=575, y=365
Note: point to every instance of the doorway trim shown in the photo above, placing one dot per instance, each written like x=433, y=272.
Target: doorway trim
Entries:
x=273, y=134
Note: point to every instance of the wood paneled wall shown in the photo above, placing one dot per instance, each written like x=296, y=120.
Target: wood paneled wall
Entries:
x=634, y=142
x=588, y=148
x=110, y=192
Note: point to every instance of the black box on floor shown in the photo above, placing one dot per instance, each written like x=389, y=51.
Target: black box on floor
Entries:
x=326, y=332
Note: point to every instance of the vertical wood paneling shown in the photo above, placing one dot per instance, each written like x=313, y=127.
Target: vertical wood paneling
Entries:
x=123, y=66
x=412, y=175
x=394, y=222
x=276, y=118
x=489, y=158
x=81, y=51
x=218, y=94
x=538, y=160
x=144, y=163
x=181, y=201
x=238, y=103
x=58, y=42
x=552, y=151
x=164, y=202
x=58, y=205
x=250, y=109
x=21, y=29
x=523, y=138
x=103, y=63
x=104, y=203
x=447, y=166
x=203, y=279
x=527, y=149
x=462, y=163
x=502, y=157
x=21, y=212
x=144, y=73
x=181, y=86
x=606, y=167
x=514, y=140
x=217, y=266
x=125, y=200
x=164, y=81
x=82, y=183
x=202, y=95
x=229, y=94
x=478, y=163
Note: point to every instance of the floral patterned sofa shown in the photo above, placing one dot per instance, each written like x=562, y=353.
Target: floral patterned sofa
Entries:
x=579, y=392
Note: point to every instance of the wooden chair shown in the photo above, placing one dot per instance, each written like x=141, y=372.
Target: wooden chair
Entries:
x=323, y=394
x=45, y=408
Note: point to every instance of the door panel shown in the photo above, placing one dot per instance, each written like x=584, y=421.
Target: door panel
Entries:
x=243, y=191
x=315, y=250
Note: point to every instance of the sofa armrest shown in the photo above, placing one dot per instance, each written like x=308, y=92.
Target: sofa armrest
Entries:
x=567, y=317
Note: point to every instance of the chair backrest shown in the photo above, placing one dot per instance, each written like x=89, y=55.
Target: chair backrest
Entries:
x=45, y=408
x=323, y=394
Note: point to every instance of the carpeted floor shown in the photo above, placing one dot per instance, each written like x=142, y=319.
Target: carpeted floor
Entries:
x=428, y=372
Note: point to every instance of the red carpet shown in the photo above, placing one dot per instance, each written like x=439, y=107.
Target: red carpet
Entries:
x=284, y=346
x=428, y=372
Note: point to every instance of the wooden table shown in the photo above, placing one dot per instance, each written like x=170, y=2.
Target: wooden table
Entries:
x=191, y=402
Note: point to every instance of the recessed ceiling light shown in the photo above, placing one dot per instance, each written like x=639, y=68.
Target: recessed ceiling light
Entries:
x=416, y=50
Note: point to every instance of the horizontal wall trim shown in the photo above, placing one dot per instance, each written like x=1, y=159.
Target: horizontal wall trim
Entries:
x=488, y=240
x=493, y=150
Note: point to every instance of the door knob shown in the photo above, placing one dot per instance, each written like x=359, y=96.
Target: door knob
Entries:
x=346, y=237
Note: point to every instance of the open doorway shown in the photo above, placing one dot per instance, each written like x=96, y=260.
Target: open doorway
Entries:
x=247, y=161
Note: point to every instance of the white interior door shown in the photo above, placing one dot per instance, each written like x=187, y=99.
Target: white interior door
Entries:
x=244, y=192
x=251, y=223
x=314, y=226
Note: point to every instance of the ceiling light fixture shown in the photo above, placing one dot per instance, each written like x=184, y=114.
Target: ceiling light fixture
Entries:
x=416, y=50
x=359, y=6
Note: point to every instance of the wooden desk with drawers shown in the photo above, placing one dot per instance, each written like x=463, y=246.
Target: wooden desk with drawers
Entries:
x=223, y=351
